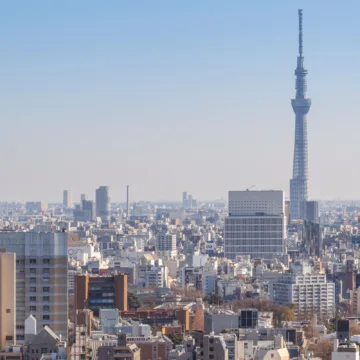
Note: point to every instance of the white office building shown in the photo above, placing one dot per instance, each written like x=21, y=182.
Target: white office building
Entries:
x=256, y=224
x=310, y=294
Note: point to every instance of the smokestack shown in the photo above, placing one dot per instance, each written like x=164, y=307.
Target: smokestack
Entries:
x=127, y=203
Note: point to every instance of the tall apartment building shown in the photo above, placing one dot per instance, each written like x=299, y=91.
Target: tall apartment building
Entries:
x=7, y=298
x=311, y=211
x=310, y=294
x=101, y=292
x=103, y=204
x=256, y=224
x=41, y=279
x=67, y=199
x=166, y=244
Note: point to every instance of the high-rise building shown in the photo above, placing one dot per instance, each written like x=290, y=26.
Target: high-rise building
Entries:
x=301, y=106
x=312, y=212
x=185, y=199
x=166, y=244
x=67, y=199
x=83, y=197
x=256, y=224
x=41, y=278
x=7, y=298
x=103, y=204
x=101, y=292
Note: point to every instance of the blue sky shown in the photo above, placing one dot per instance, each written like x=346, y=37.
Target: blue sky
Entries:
x=174, y=95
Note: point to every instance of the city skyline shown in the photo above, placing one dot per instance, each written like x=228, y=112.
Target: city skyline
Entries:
x=84, y=81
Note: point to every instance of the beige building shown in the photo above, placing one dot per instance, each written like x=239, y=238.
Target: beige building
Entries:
x=41, y=279
x=7, y=298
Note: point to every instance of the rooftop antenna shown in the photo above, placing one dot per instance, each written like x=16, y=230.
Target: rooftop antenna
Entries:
x=127, y=203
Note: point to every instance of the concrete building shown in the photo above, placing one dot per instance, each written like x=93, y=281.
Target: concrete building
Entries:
x=103, y=204
x=101, y=292
x=123, y=351
x=153, y=347
x=166, y=245
x=45, y=343
x=310, y=294
x=256, y=224
x=36, y=206
x=67, y=199
x=185, y=351
x=7, y=298
x=86, y=212
x=218, y=320
x=41, y=278
x=152, y=273
x=345, y=351
x=83, y=197
x=213, y=347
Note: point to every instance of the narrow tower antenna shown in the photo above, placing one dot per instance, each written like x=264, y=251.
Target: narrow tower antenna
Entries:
x=300, y=12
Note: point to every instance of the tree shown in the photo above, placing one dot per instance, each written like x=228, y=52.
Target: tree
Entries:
x=354, y=329
x=134, y=302
x=323, y=349
x=176, y=338
x=198, y=320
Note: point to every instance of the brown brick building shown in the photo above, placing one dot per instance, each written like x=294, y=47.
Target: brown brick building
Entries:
x=96, y=292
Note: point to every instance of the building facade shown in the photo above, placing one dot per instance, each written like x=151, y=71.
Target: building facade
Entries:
x=309, y=293
x=103, y=204
x=41, y=278
x=256, y=224
x=7, y=298
x=67, y=199
x=101, y=292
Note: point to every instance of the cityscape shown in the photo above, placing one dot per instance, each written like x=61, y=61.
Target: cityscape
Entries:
x=261, y=274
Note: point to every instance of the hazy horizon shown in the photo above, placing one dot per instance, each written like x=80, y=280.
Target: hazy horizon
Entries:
x=172, y=97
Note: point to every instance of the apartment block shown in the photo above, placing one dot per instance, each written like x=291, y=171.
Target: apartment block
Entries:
x=41, y=279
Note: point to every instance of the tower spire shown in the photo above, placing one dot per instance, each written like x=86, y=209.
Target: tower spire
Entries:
x=301, y=106
x=300, y=12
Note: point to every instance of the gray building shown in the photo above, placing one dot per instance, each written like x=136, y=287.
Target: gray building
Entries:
x=218, y=320
x=213, y=347
x=103, y=204
x=41, y=278
x=86, y=212
x=312, y=212
x=256, y=224
x=67, y=199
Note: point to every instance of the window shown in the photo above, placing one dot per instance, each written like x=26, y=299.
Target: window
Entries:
x=32, y=308
x=46, y=261
x=44, y=350
x=46, y=271
x=46, y=317
x=46, y=289
x=32, y=298
x=32, y=271
x=8, y=311
x=32, y=261
x=32, y=289
x=46, y=308
x=9, y=338
x=32, y=280
x=46, y=298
